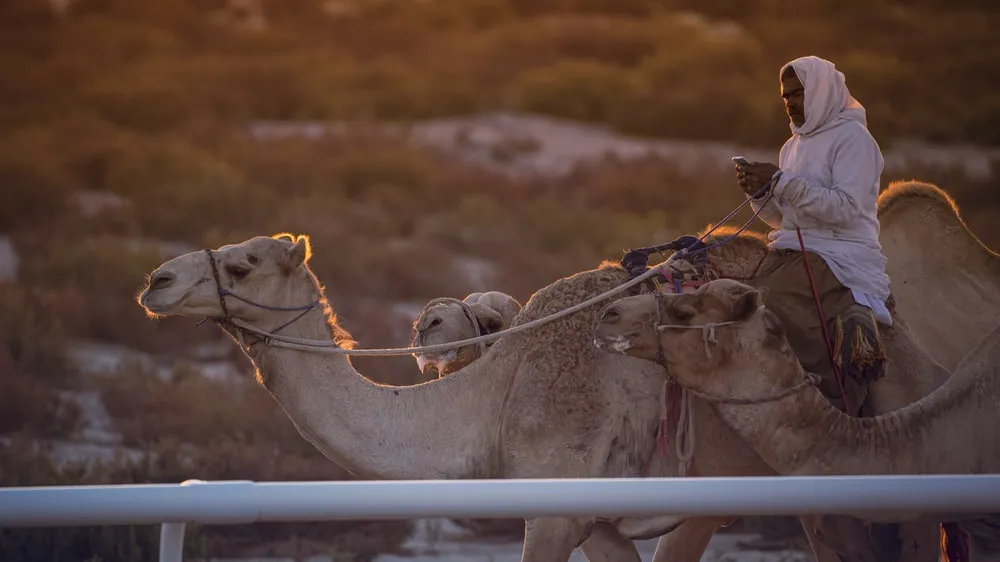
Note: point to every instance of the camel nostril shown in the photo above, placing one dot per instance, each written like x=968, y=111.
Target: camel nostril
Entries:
x=611, y=315
x=161, y=280
x=435, y=322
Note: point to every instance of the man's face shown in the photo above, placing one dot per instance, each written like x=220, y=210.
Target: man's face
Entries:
x=793, y=95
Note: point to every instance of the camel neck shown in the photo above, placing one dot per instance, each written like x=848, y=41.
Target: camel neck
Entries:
x=803, y=434
x=441, y=429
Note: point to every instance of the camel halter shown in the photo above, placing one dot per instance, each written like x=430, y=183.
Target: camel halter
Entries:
x=708, y=338
x=227, y=318
x=684, y=433
x=469, y=315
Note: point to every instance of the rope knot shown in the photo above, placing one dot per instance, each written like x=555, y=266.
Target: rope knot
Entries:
x=708, y=337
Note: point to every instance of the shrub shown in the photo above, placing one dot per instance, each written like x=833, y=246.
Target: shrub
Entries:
x=30, y=406
x=30, y=190
x=582, y=90
x=32, y=333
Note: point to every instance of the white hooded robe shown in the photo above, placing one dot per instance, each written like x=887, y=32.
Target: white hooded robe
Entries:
x=828, y=186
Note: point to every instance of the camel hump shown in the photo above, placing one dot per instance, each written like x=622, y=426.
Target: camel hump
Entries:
x=898, y=193
x=506, y=305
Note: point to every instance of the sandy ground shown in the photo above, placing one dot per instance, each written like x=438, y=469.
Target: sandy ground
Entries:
x=440, y=540
x=443, y=541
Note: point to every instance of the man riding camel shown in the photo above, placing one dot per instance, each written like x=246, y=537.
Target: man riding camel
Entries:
x=822, y=200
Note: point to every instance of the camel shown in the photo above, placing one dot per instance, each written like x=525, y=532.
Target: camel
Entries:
x=923, y=236
x=507, y=404
x=737, y=357
x=904, y=207
x=929, y=250
x=446, y=320
x=538, y=404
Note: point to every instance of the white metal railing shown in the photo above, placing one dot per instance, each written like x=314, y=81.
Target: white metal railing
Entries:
x=244, y=501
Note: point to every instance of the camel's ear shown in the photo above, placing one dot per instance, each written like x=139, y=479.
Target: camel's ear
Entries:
x=489, y=320
x=298, y=254
x=747, y=304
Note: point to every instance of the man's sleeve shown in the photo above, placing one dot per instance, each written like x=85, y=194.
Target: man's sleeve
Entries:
x=856, y=168
x=770, y=213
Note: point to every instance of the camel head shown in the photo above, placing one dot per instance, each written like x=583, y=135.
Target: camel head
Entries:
x=698, y=335
x=270, y=271
x=446, y=320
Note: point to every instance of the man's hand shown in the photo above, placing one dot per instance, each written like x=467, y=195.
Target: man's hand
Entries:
x=754, y=175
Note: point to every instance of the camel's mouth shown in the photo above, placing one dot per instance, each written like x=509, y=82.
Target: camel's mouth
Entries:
x=156, y=302
x=435, y=365
x=614, y=343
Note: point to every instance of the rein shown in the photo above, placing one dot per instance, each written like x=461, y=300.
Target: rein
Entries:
x=273, y=338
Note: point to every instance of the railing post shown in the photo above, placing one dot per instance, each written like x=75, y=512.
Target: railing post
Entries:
x=172, y=536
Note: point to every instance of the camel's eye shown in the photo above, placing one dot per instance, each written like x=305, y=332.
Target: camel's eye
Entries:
x=682, y=313
x=254, y=260
x=237, y=271
x=435, y=322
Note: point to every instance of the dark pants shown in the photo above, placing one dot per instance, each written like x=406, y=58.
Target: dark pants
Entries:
x=790, y=297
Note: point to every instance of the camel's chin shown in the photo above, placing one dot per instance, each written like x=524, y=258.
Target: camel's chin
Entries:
x=431, y=365
x=157, y=305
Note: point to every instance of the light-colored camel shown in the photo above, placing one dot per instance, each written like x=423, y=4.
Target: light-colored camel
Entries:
x=446, y=319
x=540, y=404
x=787, y=420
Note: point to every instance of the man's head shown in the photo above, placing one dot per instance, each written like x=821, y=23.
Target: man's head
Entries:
x=816, y=96
x=793, y=94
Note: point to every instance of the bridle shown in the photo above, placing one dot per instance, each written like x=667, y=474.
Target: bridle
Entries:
x=708, y=338
x=469, y=315
x=227, y=318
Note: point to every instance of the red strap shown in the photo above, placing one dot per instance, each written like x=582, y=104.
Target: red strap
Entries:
x=822, y=322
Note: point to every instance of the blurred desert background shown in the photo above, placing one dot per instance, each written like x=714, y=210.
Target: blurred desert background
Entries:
x=430, y=148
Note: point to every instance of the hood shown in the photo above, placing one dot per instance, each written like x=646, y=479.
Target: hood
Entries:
x=828, y=102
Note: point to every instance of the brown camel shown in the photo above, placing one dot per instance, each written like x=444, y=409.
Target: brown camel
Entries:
x=446, y=319
x=722, y=344
x=924, y=238
x=947, y=334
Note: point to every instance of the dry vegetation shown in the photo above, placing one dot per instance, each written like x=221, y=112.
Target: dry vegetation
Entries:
x=150, y=103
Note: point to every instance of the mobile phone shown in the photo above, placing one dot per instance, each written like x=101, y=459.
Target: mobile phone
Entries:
x=741, y=160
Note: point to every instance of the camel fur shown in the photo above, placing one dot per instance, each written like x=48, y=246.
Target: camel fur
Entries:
x=802, y=433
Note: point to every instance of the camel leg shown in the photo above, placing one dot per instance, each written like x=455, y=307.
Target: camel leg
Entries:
x=920, y=541
x=605, y=544
x=688, y=542
x=830, y=534
x=552, y=539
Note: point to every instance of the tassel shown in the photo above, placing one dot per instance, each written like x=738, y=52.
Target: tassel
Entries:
x=866, y=359
x=838, y=340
